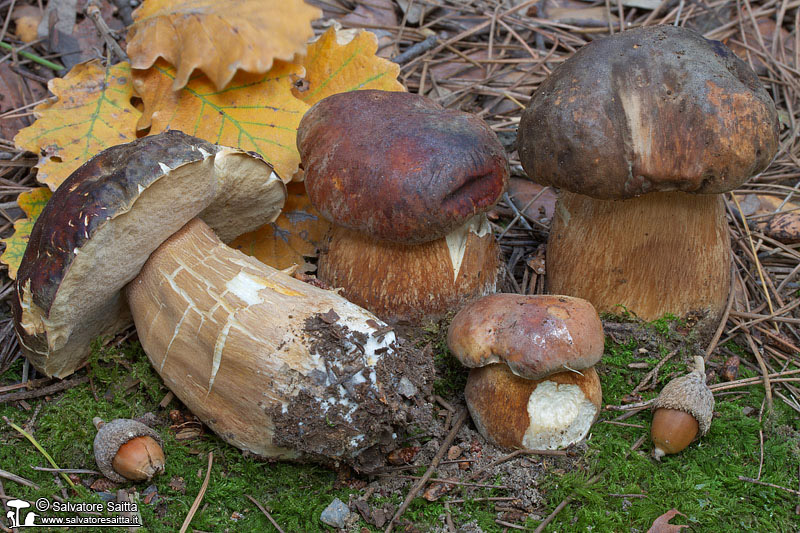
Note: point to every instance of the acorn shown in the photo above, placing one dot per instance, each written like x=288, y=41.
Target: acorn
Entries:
x=682, y=412
x=127, y=450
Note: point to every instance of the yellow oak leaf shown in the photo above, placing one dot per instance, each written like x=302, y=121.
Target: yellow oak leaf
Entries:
x=219, y=37
x=256, y=112
x=31, y=202
x=92, y=112
x=345, y=60
x=292, y=238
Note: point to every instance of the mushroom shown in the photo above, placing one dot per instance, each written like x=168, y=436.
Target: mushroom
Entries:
x=532, y=384
x=275, y=366
x=104, y=221
x=671, y=113
x=406, y=184
x=127, y=450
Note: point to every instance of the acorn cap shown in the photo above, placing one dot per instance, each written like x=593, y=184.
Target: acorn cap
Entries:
x=690, y=394
x=534, y=335
x=397, y=165
x=658, y=108
x=110, y=436
x=105, y=220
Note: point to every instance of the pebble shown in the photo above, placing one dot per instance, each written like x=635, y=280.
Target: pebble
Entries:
x=335, y=514
x=406, y=388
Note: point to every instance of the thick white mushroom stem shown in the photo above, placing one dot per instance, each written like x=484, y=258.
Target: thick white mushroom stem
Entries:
x=662, y=253
x=412, y=282
x=273, y=365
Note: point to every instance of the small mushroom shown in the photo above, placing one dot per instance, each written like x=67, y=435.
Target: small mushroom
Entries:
x=127, y=450
x=682, y=412
x=532, y=383
x=273, y=365
x=406, y=184
x=643, y=131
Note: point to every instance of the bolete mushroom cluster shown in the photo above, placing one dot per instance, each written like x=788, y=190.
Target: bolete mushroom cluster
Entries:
x=533, y=383
x=406, y=184
x=273, y=365
x=642, y=132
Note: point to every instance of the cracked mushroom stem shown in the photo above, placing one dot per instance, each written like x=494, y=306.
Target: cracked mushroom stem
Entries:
x=518, y=391
x=406, y=184
x=640, y=222
x=229, y=337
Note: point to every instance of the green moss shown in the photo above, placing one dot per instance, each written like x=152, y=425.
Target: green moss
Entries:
x=702, y=482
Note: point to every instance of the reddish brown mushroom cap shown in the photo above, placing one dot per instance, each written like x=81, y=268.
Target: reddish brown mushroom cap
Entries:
x=103, y=222
x=534, y=335
x=652, y=109
x=398, y=166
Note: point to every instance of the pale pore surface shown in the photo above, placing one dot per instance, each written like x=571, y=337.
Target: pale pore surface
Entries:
x=560, y=415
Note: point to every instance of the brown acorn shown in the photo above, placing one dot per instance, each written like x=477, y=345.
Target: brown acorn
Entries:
x=682, y=412
x=127, y=450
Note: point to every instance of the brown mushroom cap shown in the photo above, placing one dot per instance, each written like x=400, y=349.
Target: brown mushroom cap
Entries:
x=103, y=222
x=548, y=413
x=397, y=165
x=658, y=108
x=534, y=335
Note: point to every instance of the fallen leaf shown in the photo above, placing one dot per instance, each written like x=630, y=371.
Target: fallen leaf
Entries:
x=11, y=90
x=766, y=29
x=292, y=239
x=662, y=525
x=219, y=37
x=337, y=65
x=784, y=227
x=376, y=13
x=532, y=199
x=402, y=456
x=26, y=19
x=92, y=113
x=256, y=112
x=31, y=202
x=730, y=370
x=437, y=490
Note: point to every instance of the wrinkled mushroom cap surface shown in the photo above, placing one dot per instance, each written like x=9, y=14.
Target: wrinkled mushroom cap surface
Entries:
x=658, y=108
x=534, y=335
x=114, y=434
x=397, y=165
x=105, y=220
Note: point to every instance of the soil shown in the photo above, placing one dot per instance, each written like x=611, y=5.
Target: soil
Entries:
x=361, y=422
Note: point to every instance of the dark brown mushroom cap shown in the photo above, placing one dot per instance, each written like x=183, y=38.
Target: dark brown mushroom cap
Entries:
x=534, y=335
x=102, y=223
x=397, y=165
x=658, y=108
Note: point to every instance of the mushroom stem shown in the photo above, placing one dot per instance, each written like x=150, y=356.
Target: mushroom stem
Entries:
x=662, y=253
x=412, y=282
x=273, y=365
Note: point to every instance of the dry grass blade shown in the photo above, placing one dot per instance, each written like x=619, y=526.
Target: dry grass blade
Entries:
x=198, y=500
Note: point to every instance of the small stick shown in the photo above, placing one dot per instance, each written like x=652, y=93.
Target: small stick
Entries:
x=18, y=479
x=650, y=374
x=266, y=513
x=200, y=495
x=416, y=50
x=594, y=479
x=67, y=470
x=462, y=417
x=509, y=524
x=43, y=391
x=760, y=440
x=93, y=12
x=757, y=482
